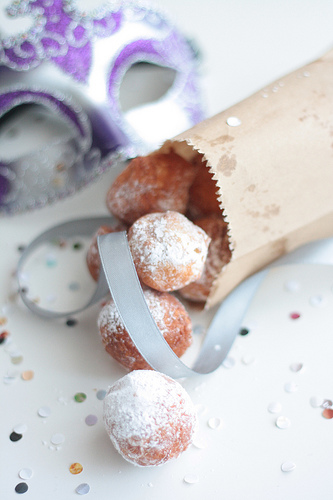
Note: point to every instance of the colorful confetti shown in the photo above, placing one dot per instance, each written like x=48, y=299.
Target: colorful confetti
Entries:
x=274, y=407
x=57, y=439
x=328, y=413
x=282, y=422
x=82, y=489
x=101, y=394
x=80, y=397
x=14, y=436
x=288, y=466
x=27, y=375
x=21, y=488
x=44, y=411
x=295, y=315
x=91, y=420
x=25, y=473
x=214, y=423
x=75, y=468
x=244, y=331
x=191, y=479
x=71, y=322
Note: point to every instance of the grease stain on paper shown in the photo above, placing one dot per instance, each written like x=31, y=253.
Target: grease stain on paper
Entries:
x=227, y=164
x=268, y=212
x=222, y=139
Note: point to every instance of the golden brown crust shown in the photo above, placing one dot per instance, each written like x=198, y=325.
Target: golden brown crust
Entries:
x=170, y=317
x=154, y=183
x=93, y=258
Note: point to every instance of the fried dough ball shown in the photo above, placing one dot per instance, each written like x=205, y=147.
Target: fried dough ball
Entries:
x=149, y=418
x=168, y=250
x=148, y=184
x=93, y=259
x=203, y=192
x=219, y=255
x=170, y=316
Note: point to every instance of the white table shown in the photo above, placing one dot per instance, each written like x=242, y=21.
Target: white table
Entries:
x=239, y=449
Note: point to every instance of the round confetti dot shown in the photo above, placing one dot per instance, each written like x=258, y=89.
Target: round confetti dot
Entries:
x=191, y=479
x=44, y=411
x=77, y=246
x=101, y=394
x=74, y=286
x=3, y=320
x=25, y=473
x=244, y=331
x=20, y=428
x=83, y=489
x=91, y=420
x=328, y=413
x=296, y=367
x=295, y=315
x=75, y=468
x=10, y=377
x=282, y=422
x=21, y=488
x=80, y=397
x=14, y=436
x=16, y=359
x=317, y=301
x=214, y=423
x=274, y=407
x=27, y=375
x=229, y=362
x=288, y=466
x=233, y=121
x=57, y=439
x=248, y=359
x=315, y=401
x=292, y=286
x=291, y=387
x=199, y=442
x=199, y=330
x=71, y=322
x=51, y=261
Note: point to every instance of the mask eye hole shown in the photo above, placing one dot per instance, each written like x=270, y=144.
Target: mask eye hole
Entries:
x=27, y=128
x=144, y=83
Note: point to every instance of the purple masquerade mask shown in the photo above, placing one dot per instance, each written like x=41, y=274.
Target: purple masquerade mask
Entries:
x=70, y=65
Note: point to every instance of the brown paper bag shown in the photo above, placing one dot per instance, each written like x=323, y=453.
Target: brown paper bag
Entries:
x=274, y=169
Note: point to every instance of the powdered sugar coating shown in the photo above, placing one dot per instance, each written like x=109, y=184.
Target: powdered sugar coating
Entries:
x=168, y=250
x=93, y=258
x=153, y=183
x=170, y=316
x=149, y=417
x=219, y=255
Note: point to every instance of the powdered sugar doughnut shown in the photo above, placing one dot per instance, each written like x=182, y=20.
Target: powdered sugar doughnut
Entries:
x=219, y=255
x=170, y=316
x=93, y=258
x=148, y=184
x=168, y=250
x=149, y=417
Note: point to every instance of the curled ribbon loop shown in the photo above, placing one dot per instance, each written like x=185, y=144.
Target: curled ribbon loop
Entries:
x=120, y=278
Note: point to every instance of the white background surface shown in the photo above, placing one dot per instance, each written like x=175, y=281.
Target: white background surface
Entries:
x=245, y=45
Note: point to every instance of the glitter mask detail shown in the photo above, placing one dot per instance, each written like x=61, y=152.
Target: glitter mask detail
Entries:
x=72, y=63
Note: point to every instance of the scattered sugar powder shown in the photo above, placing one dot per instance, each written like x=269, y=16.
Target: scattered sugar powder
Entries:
x=149, y=417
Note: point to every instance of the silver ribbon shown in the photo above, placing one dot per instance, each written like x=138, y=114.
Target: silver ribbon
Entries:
x=120, y=278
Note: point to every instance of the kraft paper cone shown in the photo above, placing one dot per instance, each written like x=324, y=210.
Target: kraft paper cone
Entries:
x=274, y=169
